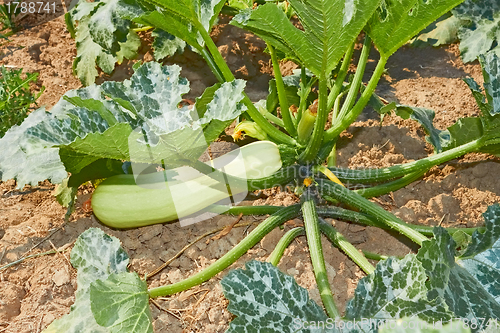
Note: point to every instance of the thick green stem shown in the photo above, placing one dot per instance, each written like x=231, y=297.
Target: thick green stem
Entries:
x=319, y=127
x=375, y=256
x=395, y=185
x=227, y=76
x=330, y=189
x=311, y=224
x=230, y=257
x=342, y=243
x=339, y=81
x=364, y=219
x=351, y=116
x=280, y=86
x=356, y=83
x=283, y=243
x=395, y=171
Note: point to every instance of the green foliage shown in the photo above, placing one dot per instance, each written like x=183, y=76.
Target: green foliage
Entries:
x=436, y=285
x=105, y=35
x=16, y=96
x=102, y=275
x=107, y=122
x=263, y=298
x=397, y=21
x=7, y=25
x=480, y=32
x=326, y=36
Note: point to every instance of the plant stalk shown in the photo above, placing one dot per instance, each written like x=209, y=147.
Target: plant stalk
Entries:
x=283, y=243
x=230, y=257
x=342, y=243
x=227, y=76
x=351, y=116
x=364, y=219
x=319, y=126
x=311, y=224
x=399, y=170
x=332, y=190
x=356, y=83
x=280, y=86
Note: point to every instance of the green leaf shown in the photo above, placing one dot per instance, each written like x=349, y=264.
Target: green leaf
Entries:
x=121, y=303
x=109, y=22
x=395, y=290
x=165, y=44
x=240, y=4
x=266, y=300
x=135, y=120
x=99, y=169
x=470, y=285
x=183, y=18
x=481, y=33
x=89, y=54
x=64, y=193
x=443, y=31
x=103, y=35
x=425, y=117
x=491, y=73
x=96, y=256
x=128, y=49
x=397, y=21
x=330, y=26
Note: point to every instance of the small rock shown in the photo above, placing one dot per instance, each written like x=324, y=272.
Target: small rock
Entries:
x=406, y=214
x=10, y=300
x=61, y=277
x=444, y=204
x=150, y=232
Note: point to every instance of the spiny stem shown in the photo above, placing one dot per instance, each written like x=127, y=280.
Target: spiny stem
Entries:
x=311, y=224
x=339, y=81
x=332, y=190
x=280, y=86
x=399, y=170
x=283, y=243
x=364, y=219
x=230, y=257
x=342, y=243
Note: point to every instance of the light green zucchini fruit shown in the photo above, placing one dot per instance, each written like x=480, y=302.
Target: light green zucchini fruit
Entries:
x=122, y=201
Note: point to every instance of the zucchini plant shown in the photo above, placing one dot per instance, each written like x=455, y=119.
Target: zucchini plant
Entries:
x=93, y=130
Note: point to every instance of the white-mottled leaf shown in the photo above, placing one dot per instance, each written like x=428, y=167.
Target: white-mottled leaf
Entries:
x=481, y=34
x=135, y=120
x=396, y=290
x=95, y=256
x=470, y=284
x=266, y=300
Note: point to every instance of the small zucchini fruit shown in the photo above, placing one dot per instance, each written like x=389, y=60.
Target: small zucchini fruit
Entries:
x=122, y=201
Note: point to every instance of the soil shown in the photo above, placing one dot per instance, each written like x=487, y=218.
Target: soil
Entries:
x=36, y=291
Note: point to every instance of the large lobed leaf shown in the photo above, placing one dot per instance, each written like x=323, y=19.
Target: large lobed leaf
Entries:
x=104, y=36
x=470, y=284
x=136, y=120
x=437, y=285
x=396, y=21
x=99, y=258
x=330, y=26
x=481, y=34
x=183, y=18
x=264, y=299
